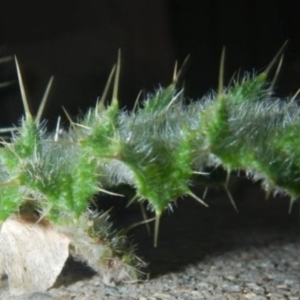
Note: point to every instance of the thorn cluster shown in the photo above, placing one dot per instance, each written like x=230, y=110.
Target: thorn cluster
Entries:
x=162, y=148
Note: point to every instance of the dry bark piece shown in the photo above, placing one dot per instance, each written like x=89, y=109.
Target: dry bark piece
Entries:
x=32, y=253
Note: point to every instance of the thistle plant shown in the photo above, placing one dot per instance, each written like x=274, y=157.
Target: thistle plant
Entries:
x=161, y=148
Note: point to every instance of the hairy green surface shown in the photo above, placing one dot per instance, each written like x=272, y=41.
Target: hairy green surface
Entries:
x=160, y=149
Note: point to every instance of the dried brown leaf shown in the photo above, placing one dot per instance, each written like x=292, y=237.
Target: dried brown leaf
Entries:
x=32, y=253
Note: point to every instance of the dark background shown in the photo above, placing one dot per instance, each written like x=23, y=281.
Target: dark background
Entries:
x=78, y=44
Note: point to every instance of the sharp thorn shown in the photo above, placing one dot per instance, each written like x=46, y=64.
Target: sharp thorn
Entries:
x=105, y=214
x=205, y=192
x=109, y=193
x=176, y=97
x=41, y=217
x=28, y=115
x=57, y=130
x=4, y=143
x=238, y=75
x=292, y=201
x=231, y=198
x=177, y=75
x=73, y=125
x=175, y=72
x=221, y=74
x=136, y=102
x=82, y=126
x=145, y=217
x=129, y=228
x=201, y=173
x=156, y=227
x=232, y=79
x=227, y=179
x=135, y=197
x=6, y=59
x=68, y=116
x=294, y=96
x=44, y=101
x=268, y=194
x=272, y=85
x=6, y=84
x=9, y=129
x=116, y=82
x=100, y=104
x=275, y=58
x=197, y=199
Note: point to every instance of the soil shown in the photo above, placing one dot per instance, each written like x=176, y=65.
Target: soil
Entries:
x=204, y=253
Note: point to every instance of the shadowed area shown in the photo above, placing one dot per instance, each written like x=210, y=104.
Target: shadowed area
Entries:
x=192, y=232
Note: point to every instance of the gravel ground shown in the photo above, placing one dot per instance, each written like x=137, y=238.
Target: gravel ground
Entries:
x=204, y=253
